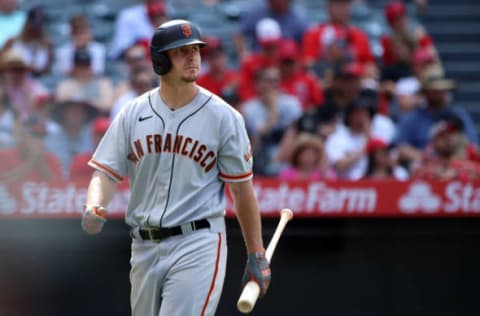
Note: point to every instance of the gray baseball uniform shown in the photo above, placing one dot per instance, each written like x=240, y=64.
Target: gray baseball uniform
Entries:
x=177, y=163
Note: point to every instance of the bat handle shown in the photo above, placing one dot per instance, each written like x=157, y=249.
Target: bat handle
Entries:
x=249, y=296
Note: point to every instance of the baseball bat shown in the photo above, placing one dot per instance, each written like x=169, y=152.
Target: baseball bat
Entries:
x=251, y=291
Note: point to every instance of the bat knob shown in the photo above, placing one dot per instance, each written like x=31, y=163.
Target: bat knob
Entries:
x=287, y=213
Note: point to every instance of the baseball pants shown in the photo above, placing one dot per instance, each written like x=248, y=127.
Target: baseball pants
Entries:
x=179, y=276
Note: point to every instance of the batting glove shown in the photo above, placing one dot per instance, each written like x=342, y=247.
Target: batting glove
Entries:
x=258, y=270
x=93, y=219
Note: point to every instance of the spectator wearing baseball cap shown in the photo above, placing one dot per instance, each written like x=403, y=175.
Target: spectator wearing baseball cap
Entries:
x=219, y=77
x=269, y=37
x=295, y=80
x=414, y=127
x=308, y=161
x=382, y=163
x=403, y=28
x=446, y=157
x=344, y=85
x=98, y=90
x=291, y=18
x=80, y=38
x=79, y=169
x=356, y=41
x=33, y=42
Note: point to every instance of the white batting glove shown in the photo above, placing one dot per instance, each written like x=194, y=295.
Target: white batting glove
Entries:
x=93, y=219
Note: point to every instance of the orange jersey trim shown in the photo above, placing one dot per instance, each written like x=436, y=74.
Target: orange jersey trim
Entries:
x=236, y=177
x=215, y=273
x=106, y=169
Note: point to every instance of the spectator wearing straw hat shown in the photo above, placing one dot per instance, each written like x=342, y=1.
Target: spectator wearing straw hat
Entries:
x=308, y=161
x=414, y=126
x=21, y=90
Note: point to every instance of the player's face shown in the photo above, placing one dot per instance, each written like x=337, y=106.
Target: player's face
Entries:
x=186, y=62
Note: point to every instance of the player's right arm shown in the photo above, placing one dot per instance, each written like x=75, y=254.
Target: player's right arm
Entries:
x=100, y=192
x=110, y=164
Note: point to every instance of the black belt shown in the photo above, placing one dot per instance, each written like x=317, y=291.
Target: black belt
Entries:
x=157, y=234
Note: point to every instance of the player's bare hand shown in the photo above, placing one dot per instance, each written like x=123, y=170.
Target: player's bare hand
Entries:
x=258, y=270
x=93, y=219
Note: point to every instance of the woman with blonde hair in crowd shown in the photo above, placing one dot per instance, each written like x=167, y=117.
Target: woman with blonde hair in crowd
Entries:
x=308, y=161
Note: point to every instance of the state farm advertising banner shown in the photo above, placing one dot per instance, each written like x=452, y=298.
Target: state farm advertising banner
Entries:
x=367, y=198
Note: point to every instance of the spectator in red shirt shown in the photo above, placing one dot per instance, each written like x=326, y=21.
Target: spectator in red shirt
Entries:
x=269, y=37
x=402, y=28
x=295, y=80
x=447, y=160
x=79, y=169
x=29, y=160
x=339, y=27
x=219, y=78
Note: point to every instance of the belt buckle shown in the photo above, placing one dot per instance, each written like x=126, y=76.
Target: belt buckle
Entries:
x=150, y=236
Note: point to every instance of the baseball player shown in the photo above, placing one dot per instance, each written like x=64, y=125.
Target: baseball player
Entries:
x=178, y=144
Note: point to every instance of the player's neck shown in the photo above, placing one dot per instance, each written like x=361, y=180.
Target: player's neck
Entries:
x=176, y=96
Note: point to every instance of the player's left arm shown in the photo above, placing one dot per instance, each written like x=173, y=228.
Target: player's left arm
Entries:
x=248, y=215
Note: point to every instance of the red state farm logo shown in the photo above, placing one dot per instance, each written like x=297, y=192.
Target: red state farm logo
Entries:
x=186, y=30
x=419, y=197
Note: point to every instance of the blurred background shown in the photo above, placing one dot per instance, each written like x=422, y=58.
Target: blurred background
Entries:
x=372, y=96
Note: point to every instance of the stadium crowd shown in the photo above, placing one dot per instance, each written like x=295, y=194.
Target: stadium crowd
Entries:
x=318, y=104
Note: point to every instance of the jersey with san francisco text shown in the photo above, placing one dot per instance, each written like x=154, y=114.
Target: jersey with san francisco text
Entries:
x=177, y=161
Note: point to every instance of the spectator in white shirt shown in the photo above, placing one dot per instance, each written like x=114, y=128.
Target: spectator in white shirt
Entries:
x=81, y=38
x=346, y=147
x=34, y=43
x=136, y=24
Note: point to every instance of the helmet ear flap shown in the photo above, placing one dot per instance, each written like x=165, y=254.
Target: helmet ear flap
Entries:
x=161, y=62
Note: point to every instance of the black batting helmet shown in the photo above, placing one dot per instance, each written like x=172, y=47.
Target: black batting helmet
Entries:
x=169, y=35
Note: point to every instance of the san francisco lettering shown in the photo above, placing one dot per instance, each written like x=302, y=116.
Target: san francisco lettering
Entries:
x=178, y=145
